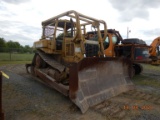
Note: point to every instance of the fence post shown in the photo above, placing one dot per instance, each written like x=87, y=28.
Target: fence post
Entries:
x=10, y=54
x=1, y=112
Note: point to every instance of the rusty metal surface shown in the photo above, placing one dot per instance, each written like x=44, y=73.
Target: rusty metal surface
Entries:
x=52, y=62
x=92, y=80
x=46, y=79
x=98, y=79
x=1, y=112
x=148, y=61
x=70, y=49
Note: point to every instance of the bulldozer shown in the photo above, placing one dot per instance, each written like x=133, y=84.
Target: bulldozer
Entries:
x=133, y=48
x=63, y=61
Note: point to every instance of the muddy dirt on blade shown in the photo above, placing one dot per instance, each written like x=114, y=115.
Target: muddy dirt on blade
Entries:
x=95, y=81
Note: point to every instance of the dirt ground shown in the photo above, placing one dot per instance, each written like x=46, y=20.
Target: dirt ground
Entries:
x=24, y=98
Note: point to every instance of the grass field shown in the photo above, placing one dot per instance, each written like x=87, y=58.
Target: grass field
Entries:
x=13, y=62
x=16, y=57
x=151, y=67
x=147, y=81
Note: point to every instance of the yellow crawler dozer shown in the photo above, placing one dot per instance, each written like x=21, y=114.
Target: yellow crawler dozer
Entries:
x=75, y=66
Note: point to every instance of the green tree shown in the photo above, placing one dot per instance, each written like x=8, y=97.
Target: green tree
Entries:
x=13, y=46
x=21, y=49
x=27, y=48
x=2, y=44
x=17, y=44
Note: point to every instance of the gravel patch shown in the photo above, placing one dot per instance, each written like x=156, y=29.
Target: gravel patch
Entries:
x=24, y=98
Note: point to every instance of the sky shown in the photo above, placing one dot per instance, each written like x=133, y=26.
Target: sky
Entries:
x=20, y=20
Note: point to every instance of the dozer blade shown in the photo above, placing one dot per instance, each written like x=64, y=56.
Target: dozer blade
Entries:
x=94, y=80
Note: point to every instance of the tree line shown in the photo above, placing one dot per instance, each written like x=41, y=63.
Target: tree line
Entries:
x=12, y=46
